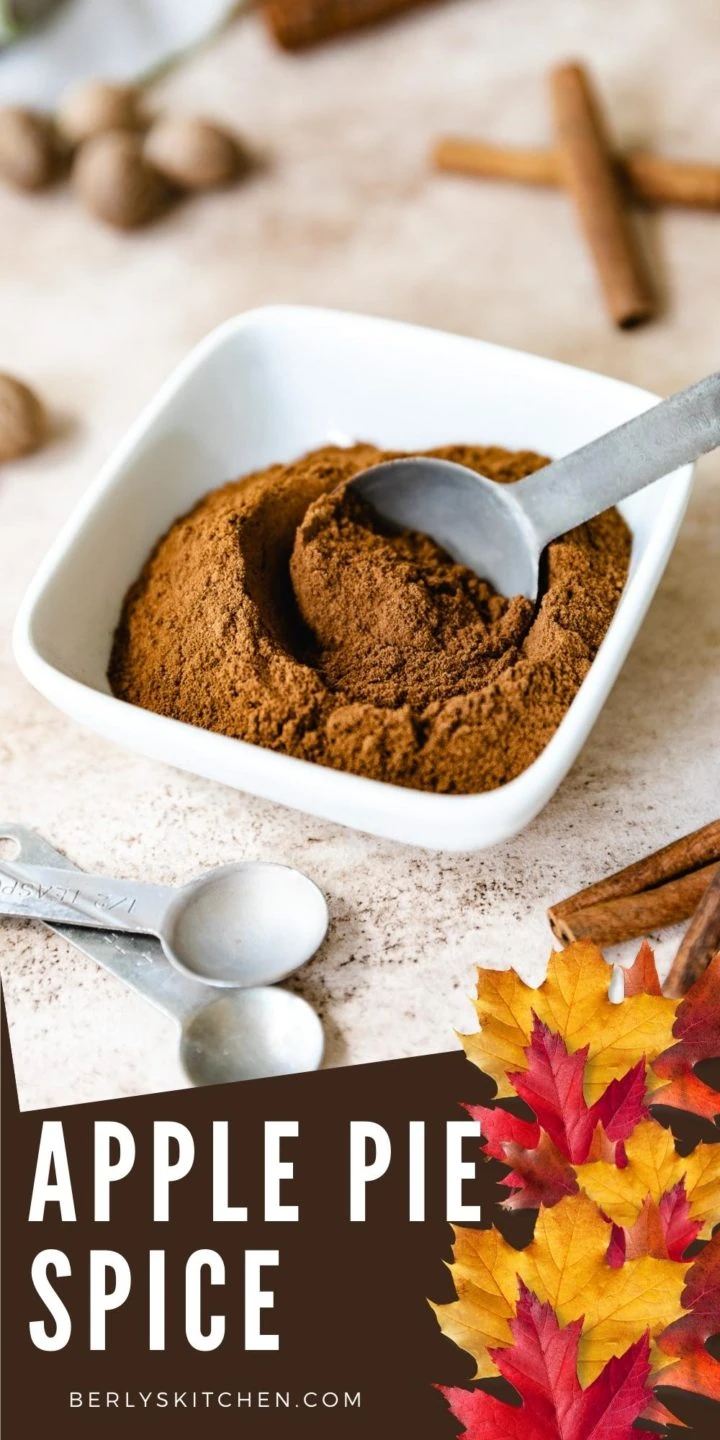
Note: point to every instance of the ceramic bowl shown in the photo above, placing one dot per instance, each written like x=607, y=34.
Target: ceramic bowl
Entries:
x=265, y=387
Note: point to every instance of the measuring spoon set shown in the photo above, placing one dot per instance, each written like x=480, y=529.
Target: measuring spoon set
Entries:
x=208, y=954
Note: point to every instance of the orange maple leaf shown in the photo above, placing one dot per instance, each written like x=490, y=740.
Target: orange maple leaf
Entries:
x=692, y=1367
x=696, y=1033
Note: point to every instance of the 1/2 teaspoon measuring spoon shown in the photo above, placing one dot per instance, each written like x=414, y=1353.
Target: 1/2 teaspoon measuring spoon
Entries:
x=250, y=923
x=500, y=531
x=225, y=1036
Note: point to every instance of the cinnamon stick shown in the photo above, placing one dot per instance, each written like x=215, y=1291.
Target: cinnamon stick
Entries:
x=653, y=179
x=610, y=921
x=673, y=182
x=690, y=852
x=296, y=23
x=700, y=943
x=591, y=179
x=497, y=162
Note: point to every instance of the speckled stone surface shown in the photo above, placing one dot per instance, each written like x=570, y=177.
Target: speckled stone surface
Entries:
x=345, y=213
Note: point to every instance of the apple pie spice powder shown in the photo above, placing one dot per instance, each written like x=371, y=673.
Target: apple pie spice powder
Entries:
x=282, y=611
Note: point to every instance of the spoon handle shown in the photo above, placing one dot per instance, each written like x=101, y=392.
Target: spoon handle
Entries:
x=100, y=900
x=672, y=433
x=136, y=960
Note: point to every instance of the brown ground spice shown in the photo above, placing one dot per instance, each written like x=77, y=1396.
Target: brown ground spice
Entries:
x=281, y=610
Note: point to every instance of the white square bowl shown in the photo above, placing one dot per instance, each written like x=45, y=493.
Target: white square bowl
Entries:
x=267, y=386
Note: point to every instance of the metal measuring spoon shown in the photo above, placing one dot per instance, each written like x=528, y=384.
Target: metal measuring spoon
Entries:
x=251, y=923
x=227, y=1036
x=500, y=531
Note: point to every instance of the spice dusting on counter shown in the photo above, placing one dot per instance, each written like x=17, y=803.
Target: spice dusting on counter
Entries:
x=284, y=612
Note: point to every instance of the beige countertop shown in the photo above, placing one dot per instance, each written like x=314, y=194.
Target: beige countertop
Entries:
x=345, y=213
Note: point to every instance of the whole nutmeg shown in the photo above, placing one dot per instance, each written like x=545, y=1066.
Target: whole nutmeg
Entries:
x=194, y=153
x=22, y=419
x=97, y=106
x=30, y=154
x=116, y=182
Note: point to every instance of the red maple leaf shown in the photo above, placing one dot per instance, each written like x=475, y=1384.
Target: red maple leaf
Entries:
x=697, y=1025
x=694, y=1368
x=566, y=1131
x=697, y=1033
x=622, y=1105
x=500, y=1128
x=541, y=1365
x=679, y=1227
x=541, y=1176
x=538, y=1172
x=663, y=1229
x=552, y=1086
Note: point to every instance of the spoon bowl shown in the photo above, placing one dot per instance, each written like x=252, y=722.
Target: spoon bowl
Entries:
x=248, y=924
x=251, y=1035
x=478, y=522
x=500, y=531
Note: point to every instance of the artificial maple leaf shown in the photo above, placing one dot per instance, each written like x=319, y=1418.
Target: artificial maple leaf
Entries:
x=702, y=1289
x=573, y=1002
x=565, y=1265
x=541, y=1364
x=653, y=1168
x=609, y=1404
x=641, y=978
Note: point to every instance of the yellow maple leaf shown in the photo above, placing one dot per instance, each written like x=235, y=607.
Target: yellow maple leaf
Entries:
x=565, y=1265
x=504, y=1008
x=643, y=1295
x=702, y=1167
x=566, y=1255
x=486, y=1283
x=653, y=1168
x=573, y=1002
